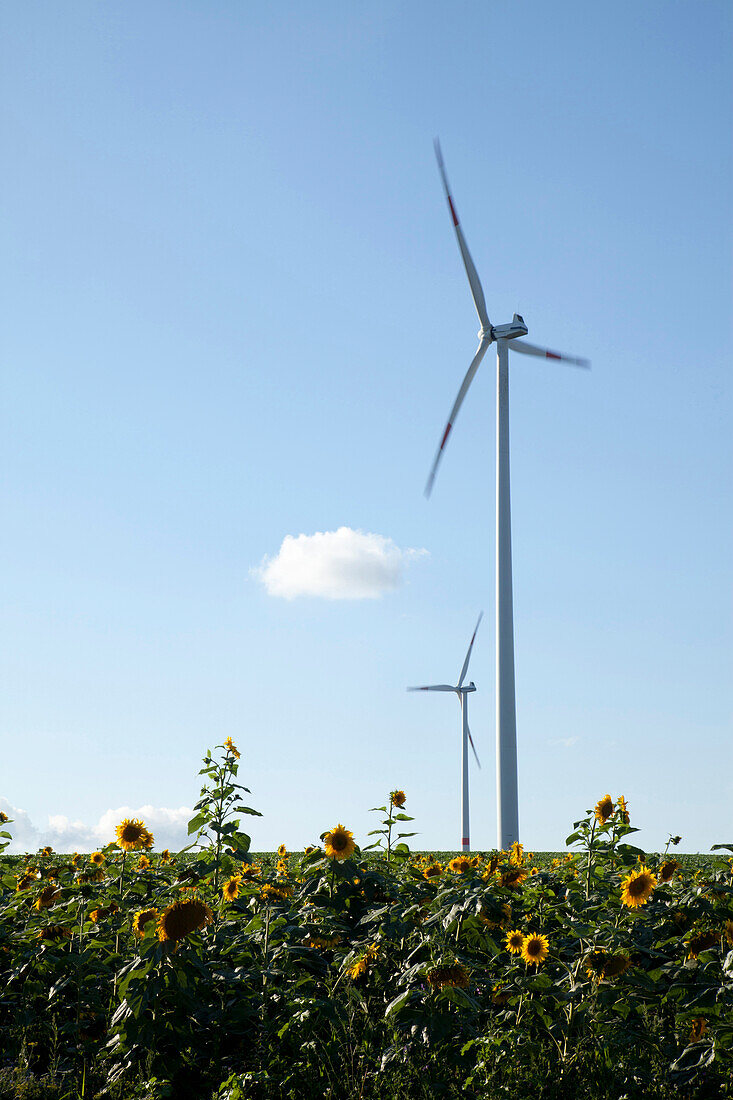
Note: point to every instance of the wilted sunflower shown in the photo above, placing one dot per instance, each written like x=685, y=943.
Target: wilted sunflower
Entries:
x=26, y=881
x=97, y=858
x=442, y=976
x=636, y=889
x=535, y=949
x=594, y=964
x=616, y=965
x=514, y=942
x=230, y=889
x=398, y=799
x=604, y=809
x=142, y=918
x=460, y=865
x=183, y=917
x=339, y=843
x=276, y=893
x=667, y=870
x=132, y=834
x=232, y=748
x=47, y=897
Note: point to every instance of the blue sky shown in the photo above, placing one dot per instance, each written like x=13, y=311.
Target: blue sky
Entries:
x=235, y=311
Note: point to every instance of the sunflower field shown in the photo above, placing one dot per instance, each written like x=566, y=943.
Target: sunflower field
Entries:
x=371, y=973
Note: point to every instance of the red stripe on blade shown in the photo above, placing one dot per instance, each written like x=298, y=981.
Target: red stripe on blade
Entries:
x=445, y=436
x=453, y=210
x=551, y=355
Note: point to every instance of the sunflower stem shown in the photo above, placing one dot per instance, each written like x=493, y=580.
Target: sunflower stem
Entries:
x=590, y=860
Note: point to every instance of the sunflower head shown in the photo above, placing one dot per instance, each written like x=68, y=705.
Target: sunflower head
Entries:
x=460, y=865
x=165, y=856
x=604, y=809
x=616, y=965
x=143, y=863
x=433, y=870
x=47, y=897
x=183, y=917
x=441, y=976
x=513, y=878
x=398, y=799
x=637, y=887
x=701, y=942
x=54, y=933
x=535, y=949
x=141, y=919
x=339, y=843
x=698, y=1027
x=3, y=817
x=97, y=858
x=232, y=748
x=728, y=932
x=47, y=851
x=623, y=809
x=230, y=889
x=595, y=963
x=517, y=854
x=514, y=942
x=667, y=870
x=132, y=834
x=282, y=852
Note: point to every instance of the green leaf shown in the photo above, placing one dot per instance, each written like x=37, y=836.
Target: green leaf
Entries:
x=397, y=1004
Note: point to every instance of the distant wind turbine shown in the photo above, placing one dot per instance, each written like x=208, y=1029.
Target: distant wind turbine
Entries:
x=462, y=693
x=507, y=807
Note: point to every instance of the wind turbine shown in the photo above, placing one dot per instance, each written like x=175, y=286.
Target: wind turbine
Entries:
x=462, y=693
x=507, y=808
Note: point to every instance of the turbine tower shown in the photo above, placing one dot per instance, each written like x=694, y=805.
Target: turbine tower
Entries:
x=504, y=336
x=462, y=693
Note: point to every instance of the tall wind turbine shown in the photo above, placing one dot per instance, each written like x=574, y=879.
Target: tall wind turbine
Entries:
x=462, y=693
x=503, y=336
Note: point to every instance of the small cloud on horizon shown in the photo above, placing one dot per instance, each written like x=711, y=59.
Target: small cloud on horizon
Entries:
x=169, y=826
x=566, y=742
x=335, y=565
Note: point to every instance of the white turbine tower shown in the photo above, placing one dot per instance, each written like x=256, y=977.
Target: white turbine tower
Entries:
x=507, y=807
x=462, y=693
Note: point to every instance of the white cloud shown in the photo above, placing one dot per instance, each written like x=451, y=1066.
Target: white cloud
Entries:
x=335, y=565
x=168, y=826
x=566, y=742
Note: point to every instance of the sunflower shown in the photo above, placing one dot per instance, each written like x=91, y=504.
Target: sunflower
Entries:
x=535, y=949
x=517, y=854
x=97, y=915
x=26, y=881
x=276, y=893
x=183, y=917
x=132, y=834
x=442, y=976
x=701, y=942
x=308, y=849
x=141, y=918
x=699, y=1026
x=3, y=817
x=54, y=932
x=232, y=748
x=165, y=856
x=46, y=898
x=433, y=870
x=513, y=879
x=667, y=870
x=616, y=965
x=282, y=868
x=282, y=852
x=623, y=809
x=339, y=843
x=604, y=809
x=728, y=932
x=499, y=995
x=636, y=889
x=47, y=851
x=97, y=858
x=514, y=942
x=460, y=865
x=595, y=964
x=143, y=863
x=358, y=968
x=230, y=889
x=250, y=870
x=398, y=799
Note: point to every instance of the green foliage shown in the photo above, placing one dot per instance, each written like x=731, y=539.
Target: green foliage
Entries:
x=384, y=976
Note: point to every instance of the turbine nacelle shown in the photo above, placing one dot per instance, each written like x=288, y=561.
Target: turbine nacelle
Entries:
x=515, y=328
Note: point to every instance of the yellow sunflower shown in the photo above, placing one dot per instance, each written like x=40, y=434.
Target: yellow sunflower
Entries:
x=282, y=852
x=514, y=942
x=460, y=865
x=232, y=748
x=143, y=863
x=132, y=834
x=623, y=809
x=433, y=870
x=514, y=878
x=517, y=854
x=358, y=968
x=699, y=1026
x=54, y=932
x=97, y=858
x=276, y=893
x=230, y=889
x=728, y=932
x=339, y=843
x=251, y=870
x=47, y=851
x=165, y=856
x=604, y=809
x=667, y=870
x=141, y=918
x=398, y=799
x=594, y=964
x=3, y=817
x=183, y=917
x=47, y=897
x=535, y=949
x=636, y=889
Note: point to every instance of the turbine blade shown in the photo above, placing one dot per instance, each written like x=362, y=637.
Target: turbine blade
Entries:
x=473, y=746
x=464, y=670
x=542, y=353
x=434, y=687
x=454, y=411
x=473, y=279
